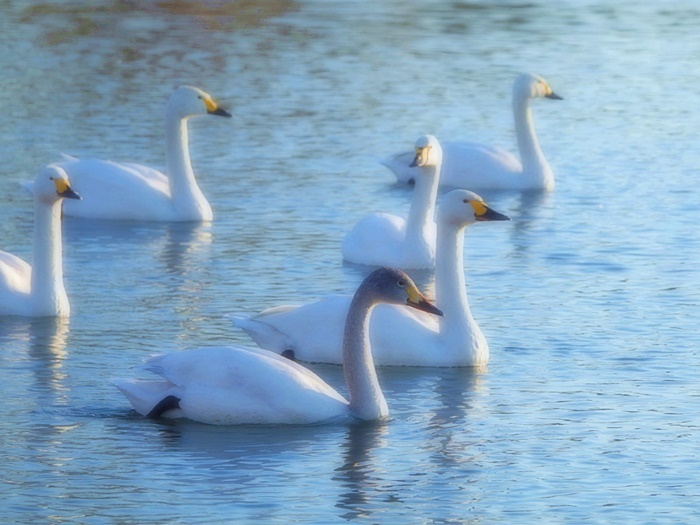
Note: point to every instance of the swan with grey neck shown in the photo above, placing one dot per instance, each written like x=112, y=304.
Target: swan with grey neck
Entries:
x=38, y=290
x=127, y=191
x=399, y=336
x=239, y=385
x=481, y=166
x=385, y=239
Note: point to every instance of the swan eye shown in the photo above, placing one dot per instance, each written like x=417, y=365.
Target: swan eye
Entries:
x=401, y=283
x=199, y=97
x=466, y=201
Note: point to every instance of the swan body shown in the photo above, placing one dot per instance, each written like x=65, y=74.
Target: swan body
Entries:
x=39, y=290
x=481, y=166
x=128, y=191
x=399, y=336
x=239, y=385
x=384, y=239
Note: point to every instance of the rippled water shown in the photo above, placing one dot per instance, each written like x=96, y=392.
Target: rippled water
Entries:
x=588, y=411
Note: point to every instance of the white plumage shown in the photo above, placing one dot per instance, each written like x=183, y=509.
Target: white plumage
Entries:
x=385, y=239
x=399, y=336
x=239, y=385
x=128, y=191
x=476, y=166
x=38, y=290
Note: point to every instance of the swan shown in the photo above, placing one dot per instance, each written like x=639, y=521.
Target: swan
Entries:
x=384, y=239
x=127, y=191
x=481, y=166
x=239, y=385
x=38, y=291
x=399, y=336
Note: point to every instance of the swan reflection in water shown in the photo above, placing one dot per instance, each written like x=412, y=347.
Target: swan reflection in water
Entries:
x=45, y=341
x=358, y=472
x=447, y=442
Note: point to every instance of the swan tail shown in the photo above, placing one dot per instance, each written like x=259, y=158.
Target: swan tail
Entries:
x=28, y=185
x=265, y=336
x=399, y=164
x=66, y=157
x=146, y=396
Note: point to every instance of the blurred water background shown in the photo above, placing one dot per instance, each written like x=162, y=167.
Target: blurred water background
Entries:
x=588, y=410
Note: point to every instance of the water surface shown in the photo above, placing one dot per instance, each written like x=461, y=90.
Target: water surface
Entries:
x=588, y=409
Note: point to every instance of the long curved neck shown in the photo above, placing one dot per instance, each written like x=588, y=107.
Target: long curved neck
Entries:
x=534, y=163
x=450, y=288
x=48, y=294
x=187, y=198
x=366, y=398
x=422, y=212
x=458, y=329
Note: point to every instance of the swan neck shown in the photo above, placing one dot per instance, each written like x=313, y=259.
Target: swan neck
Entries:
x=422, y=212
x=47, y=290
x=366, y=398
x=459, y=331
x=450, y=286
x=531, y=156
x=186, y=195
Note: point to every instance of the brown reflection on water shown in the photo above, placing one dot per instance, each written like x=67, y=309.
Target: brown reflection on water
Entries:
x=210, y=15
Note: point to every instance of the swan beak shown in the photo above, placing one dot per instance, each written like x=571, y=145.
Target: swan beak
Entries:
x=484, y=213
x=419, y=302
x=70, y=194
x=553, y=96
x=64, y=190
x=214, y=109
x=220, y=112
x=491, y=215
x=421, y=157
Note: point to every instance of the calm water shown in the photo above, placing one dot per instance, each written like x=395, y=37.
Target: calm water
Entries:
x=588, y=411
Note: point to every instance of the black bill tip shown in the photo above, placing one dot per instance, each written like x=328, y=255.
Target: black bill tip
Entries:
x=220, y=112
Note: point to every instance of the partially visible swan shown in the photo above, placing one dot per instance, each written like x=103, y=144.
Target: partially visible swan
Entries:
x=239, y=385
x=38, y=290
x=385, y=239
x=400, y=337
x=481, y=166
x=127, y=191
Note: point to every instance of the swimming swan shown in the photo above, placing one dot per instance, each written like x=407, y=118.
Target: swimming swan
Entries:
x=481, y=166
x=239, y=385
x=127, y=191
x=37, y=291
x=385, y=239
x=399, y=336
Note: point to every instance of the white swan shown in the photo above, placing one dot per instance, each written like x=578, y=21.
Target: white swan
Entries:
x=399, y=336
x=384, y=239
x=126, y=191
x=239, y=385
x=481, y=166
x=38, y=291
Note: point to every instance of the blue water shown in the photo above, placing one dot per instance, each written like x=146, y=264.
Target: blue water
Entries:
x=588, y=410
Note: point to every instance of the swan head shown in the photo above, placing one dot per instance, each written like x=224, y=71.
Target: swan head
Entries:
x=393, y=286
x=52, y=184
x=462, y=207
x=428, y=153
x=189, y=101
x=529, y=85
